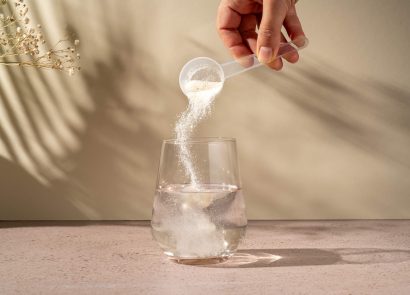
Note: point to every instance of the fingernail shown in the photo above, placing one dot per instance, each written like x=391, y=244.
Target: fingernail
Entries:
x=265, y=54
x=252, y=44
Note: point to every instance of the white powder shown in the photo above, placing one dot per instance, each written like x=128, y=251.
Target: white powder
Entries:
x=200, y=94
x=194, y=232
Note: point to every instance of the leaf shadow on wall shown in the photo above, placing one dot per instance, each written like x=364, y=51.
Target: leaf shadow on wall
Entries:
x=364, y=116
x=96, y=138
x=113, y=140
x=31, y=143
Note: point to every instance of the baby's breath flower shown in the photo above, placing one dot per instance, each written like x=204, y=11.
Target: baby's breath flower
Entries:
x=23, y=45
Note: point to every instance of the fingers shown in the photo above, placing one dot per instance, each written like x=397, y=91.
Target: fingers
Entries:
x=230, y=26
x=237, y=20
x=276, y=65
x=269, y=34
x=291, y=57
x=247, y=31
x=294, y=29
x=292, y=24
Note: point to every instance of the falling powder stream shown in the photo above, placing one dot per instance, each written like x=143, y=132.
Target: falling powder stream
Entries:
x=200, y=94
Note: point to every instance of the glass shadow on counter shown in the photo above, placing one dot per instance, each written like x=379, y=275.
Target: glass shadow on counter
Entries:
x=253, y=258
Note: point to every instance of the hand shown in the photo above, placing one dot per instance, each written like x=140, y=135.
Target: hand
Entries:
x=237, y=22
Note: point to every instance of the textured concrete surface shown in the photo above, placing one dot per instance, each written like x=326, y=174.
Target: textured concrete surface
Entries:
x=277, y=257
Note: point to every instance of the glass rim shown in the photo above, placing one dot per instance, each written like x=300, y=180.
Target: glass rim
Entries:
x=193, y=140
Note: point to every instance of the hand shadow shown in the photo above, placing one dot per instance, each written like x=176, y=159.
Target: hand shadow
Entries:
x=253, y=258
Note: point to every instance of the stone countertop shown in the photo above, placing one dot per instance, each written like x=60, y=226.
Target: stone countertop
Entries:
x=277, y=257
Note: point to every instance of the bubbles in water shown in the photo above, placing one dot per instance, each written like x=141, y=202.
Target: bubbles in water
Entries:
x=198, y=222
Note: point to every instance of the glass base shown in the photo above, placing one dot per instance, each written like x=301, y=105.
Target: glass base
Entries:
x=199, y=261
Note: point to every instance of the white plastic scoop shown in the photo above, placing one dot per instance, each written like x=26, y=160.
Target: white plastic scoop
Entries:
x=207, y=69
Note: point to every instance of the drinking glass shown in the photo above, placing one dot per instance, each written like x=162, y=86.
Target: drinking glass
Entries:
x=199, y=210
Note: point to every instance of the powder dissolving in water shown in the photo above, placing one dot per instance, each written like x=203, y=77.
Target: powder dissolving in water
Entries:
x=191, y=228
x=193, y=217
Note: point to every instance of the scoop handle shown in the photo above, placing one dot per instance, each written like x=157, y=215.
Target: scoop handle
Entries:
x=249, y=62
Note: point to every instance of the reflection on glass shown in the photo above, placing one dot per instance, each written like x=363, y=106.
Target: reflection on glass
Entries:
x=204, y=220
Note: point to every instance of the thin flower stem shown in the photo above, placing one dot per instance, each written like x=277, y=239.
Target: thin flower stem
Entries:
x=19, y=40
x=11, y=20
x=16, y=44
x=8, y=25
x=9, y=55
x=9, y=63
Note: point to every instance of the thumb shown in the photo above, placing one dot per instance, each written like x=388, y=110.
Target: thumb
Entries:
x=269, y=33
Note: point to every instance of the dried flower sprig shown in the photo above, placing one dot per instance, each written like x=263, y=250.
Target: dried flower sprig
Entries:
x=24, y=45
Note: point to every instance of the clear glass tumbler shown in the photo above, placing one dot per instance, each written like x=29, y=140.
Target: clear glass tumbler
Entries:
x=199, y=210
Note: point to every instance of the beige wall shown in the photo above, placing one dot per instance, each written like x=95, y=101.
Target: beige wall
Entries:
x=326, y=138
